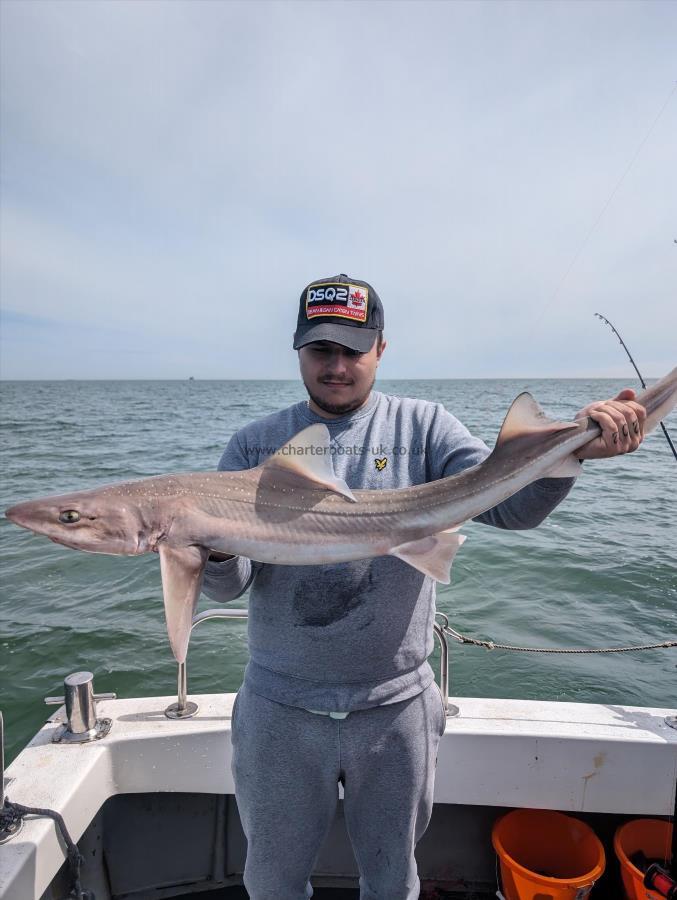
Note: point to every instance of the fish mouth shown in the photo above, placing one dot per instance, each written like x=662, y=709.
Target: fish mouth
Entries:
x=62, y=543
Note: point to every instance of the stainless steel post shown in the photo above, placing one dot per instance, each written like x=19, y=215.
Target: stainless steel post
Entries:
x=182, y=685
x=185, y=708
x=79, y=699
x=451, y=708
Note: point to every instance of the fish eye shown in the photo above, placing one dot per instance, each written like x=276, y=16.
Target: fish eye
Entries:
x=69, y=516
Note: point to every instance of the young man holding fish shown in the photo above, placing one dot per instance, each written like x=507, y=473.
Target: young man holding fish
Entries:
x=338, y=687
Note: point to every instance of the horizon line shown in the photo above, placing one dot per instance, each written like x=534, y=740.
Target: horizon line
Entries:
x=399, y=378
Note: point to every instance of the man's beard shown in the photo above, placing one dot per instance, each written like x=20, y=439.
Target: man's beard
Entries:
x=339, y=409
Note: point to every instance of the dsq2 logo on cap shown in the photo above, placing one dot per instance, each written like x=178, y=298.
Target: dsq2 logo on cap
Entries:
x=346, y=301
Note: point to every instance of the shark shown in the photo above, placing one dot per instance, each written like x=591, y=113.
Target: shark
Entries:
x=293, y=510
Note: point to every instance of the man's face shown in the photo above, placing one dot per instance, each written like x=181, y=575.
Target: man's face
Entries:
x=338, y=380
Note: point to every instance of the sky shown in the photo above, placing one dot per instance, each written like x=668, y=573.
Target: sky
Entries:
x=174, y=173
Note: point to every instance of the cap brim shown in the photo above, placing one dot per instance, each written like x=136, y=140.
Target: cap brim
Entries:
x=355, y=338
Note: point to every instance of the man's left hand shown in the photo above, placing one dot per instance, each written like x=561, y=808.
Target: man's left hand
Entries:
x=622, y=422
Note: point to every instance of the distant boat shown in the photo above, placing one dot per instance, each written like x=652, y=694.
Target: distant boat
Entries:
x=191, y=378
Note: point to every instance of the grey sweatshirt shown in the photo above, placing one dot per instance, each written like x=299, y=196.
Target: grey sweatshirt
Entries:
x=354, y=635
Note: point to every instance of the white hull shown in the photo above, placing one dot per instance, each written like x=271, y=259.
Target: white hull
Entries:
x=578, y=758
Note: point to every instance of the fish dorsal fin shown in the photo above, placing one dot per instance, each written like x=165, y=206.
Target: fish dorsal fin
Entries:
x=524, y=422
x=525, y=416
x=431, y=555
x=308, y=455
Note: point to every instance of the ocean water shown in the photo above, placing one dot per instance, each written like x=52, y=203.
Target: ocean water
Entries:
x=601, y=571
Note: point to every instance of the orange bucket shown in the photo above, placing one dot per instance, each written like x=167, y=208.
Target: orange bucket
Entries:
x=546, y=855
x=650, y=836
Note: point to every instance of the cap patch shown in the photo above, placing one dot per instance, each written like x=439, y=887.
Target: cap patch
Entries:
x=346, y=301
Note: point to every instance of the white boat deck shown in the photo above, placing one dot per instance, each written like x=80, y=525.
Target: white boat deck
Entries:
x=567, y=756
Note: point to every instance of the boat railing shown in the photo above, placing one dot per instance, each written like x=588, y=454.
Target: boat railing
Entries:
x=186, y=709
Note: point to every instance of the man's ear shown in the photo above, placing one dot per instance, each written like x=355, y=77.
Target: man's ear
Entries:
x=379, y=352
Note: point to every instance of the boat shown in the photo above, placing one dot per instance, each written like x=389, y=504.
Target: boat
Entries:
x=145, y=790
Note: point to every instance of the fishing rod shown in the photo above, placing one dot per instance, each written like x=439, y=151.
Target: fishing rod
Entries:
x=639, y=375
x=659, y=878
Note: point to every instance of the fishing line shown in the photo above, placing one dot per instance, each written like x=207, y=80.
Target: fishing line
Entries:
x=639, y=375
x=613, y=193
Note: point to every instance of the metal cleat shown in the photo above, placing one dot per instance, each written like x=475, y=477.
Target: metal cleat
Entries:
x=81, y=724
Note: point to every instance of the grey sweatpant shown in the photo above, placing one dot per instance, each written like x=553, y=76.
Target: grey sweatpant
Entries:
x=287, y=763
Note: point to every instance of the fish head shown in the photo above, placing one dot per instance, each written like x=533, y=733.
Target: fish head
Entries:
x=99, y=521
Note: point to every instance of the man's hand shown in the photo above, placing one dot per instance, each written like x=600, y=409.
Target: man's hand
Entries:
x=622, y=423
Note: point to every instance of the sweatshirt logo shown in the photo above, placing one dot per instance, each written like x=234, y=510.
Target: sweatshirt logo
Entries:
x=381, y=463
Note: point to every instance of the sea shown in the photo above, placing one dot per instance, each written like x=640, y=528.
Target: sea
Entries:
x=600, y=572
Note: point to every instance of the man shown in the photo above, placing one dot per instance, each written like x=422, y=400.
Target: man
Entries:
x=338, y=687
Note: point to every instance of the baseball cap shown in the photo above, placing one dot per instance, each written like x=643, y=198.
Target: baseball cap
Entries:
x=340, y=309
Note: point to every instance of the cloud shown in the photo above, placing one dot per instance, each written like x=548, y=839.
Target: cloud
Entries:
x=180, y=170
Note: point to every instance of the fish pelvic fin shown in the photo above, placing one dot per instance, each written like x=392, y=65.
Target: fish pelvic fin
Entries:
x=431, y=555
x=308, y=455
x=182, y=571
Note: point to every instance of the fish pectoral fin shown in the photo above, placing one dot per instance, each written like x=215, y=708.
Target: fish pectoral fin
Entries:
x=431, y=555
x=182, y=571
x=525, y=416
x=308, y=455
